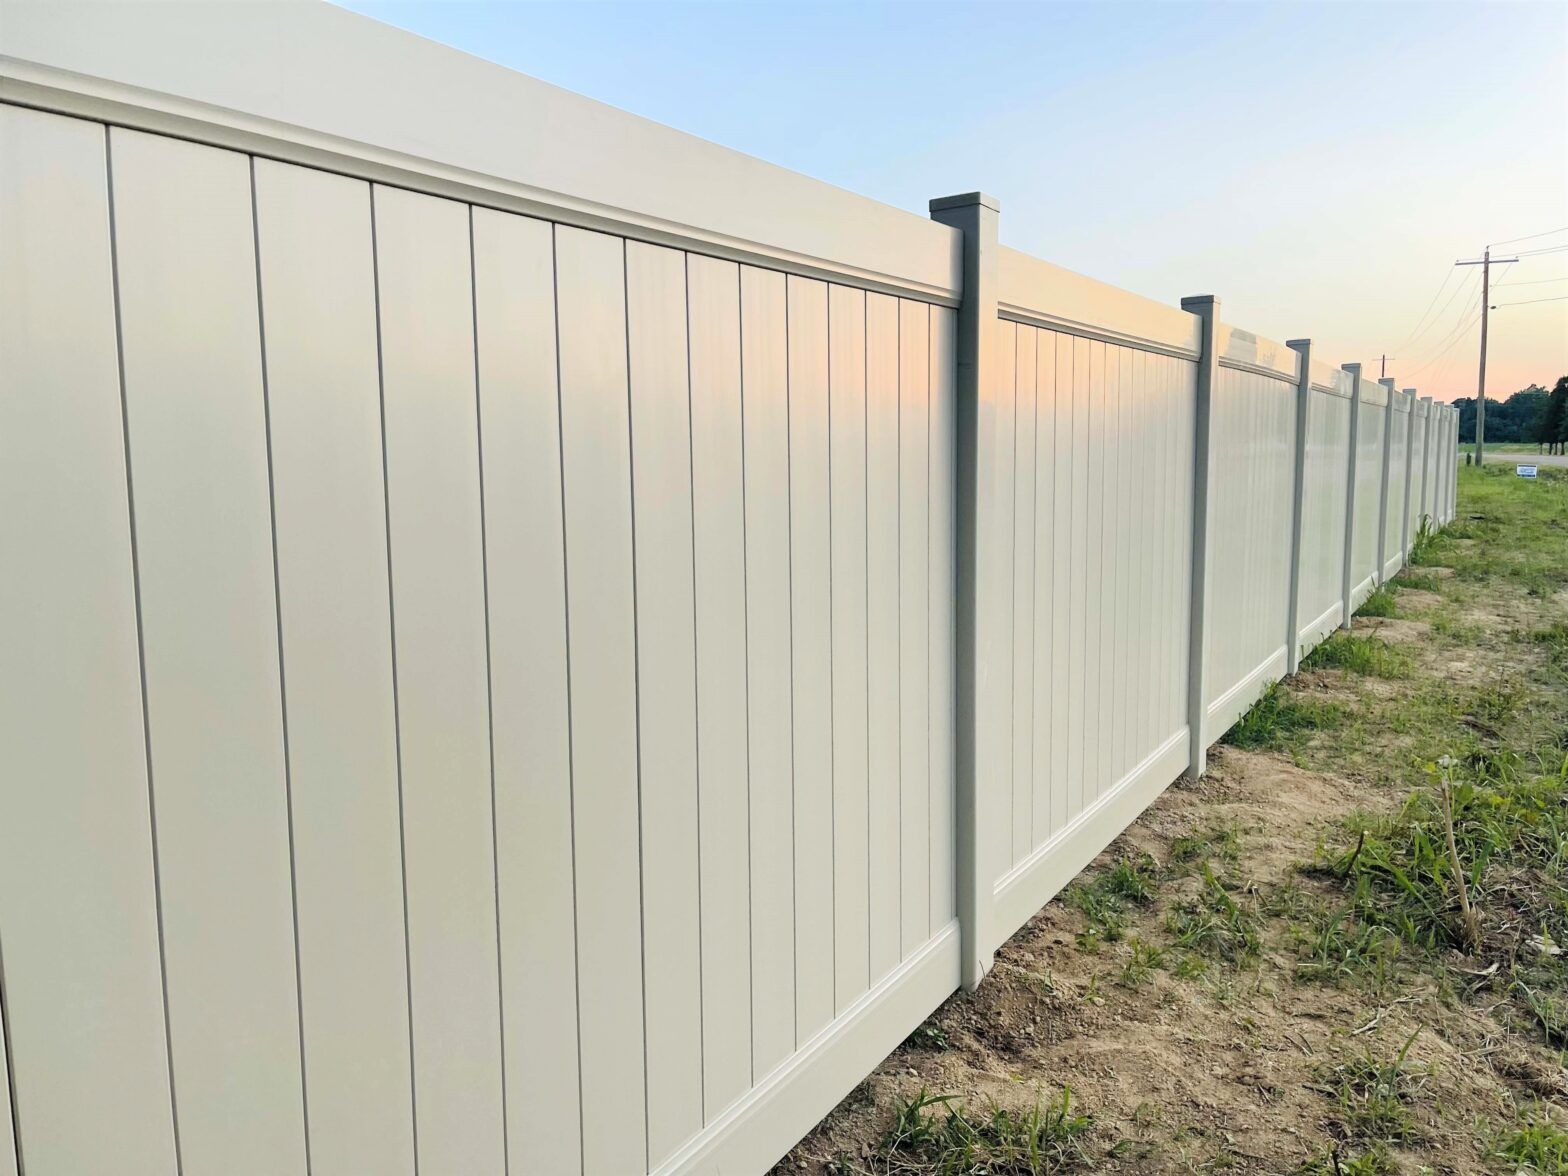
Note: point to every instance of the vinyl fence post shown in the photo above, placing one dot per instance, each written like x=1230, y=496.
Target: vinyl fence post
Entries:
x=1410, y=466
x=1426, y=456
x=975, y=215
x=1347, y=572
x=1207, y=308
x=1454, y=463
x=1453, y=453
x=1303, y=349
x=1382, y=493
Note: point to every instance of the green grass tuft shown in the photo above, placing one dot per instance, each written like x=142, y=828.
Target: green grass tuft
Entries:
x=1374, y=1094
x=1280, y=720
x=1104, y=897
x=1380, y=604
x=1359, y=654
x=1215, y=925
x=1534, y=1144
x=942, y=1135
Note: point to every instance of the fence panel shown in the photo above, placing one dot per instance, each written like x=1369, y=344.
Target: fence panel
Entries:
x=1324, y=492
x=1417, y=473
x=1251, y=489
x=1372, y=423
x=1097, y=430
x=1398, y=460
x=77, y=872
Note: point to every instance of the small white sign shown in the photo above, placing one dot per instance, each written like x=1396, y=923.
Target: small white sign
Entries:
x=1525, y=471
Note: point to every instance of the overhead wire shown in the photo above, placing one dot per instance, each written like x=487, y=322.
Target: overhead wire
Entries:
x=1528, y=301
x=1530, y=237
x=1443, y=285
x=1531, y=282
x=1465, y=283
x=1455, y=338
x=1539, y=252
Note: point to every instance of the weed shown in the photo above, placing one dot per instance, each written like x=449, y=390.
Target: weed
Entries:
x=1142, y=961
x=1421, y=581
x=1359, y=654
x=1205, y=845
x=1375, y=1161
x=1280, y=720
x=929, y=1036
x=1338, y=948
x=1555, y=639
x=1374, y=1094
x=1421, y=546
x=1379, y=604
x=1104, y=898
x=1534, y=1144
x=1509, y=830
x=1215, y=924
x=942, y=1133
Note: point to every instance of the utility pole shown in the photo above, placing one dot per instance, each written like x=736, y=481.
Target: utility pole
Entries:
x=1480, y=396
x=1382, y=367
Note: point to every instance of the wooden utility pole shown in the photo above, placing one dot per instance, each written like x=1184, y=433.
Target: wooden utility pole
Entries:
x=1480, y=396
x=1382, y=366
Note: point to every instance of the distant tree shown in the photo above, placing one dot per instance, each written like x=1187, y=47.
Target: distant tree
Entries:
x=1514, y=419
x=1552, y=426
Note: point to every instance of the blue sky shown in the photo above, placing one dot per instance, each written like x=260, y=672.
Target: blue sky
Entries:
x=1319, y=166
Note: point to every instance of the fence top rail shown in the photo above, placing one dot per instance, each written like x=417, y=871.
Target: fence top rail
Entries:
x=1333, y=380
x=1031, y=290
x=314, y=84
x=1373, y=394
x=1241, y=349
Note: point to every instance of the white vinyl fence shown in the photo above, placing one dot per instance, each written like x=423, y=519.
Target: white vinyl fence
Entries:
x=532, y=643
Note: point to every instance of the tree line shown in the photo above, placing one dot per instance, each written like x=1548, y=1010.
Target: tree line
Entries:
x=1532, y=415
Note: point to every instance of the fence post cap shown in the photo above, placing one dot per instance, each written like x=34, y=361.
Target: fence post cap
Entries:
x=965, y=200
x=1200, y=301
x=1298, y=344
x=1350, y=367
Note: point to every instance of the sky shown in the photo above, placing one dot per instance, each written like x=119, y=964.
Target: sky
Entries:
x=1319, y=167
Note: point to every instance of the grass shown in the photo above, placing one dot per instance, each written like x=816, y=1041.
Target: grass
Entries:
x=929, y=1036
x=1375, y=1161
x=1281, y=720
x=1534, y=1144
x=1382, y=603
x=1510, y=830
x=1143, y=960
x=1105, y=897
x=1356, y=653
x=1338, y=948
x=945, y=1136
x=1215, y=925
x=1374, y=1095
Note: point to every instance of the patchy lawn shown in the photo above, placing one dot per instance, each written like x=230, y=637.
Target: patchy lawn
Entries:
x=1274, y=970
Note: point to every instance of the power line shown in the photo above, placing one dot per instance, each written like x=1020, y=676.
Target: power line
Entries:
x=1465, y=284
x=1455, y=324
x=1457, y=336
x=1443, y=285
x=1527, y=301
x=1442, y=345
x=1531, y=237
x=1543, y=249
x=1531, y=282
